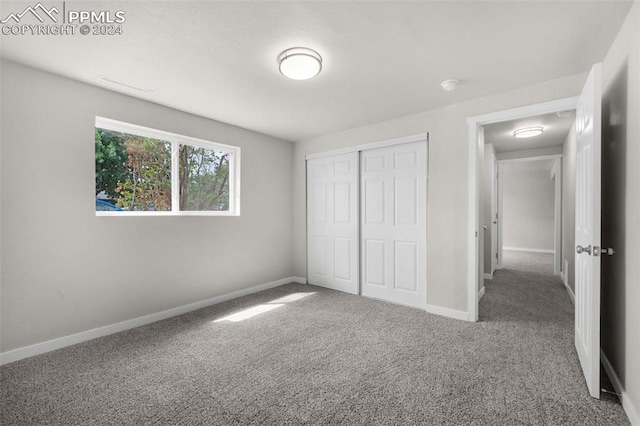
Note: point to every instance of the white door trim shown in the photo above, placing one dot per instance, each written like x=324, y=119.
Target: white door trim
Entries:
x=379, y=144
x=474, y=124
x=494, y=222
x=557, y=217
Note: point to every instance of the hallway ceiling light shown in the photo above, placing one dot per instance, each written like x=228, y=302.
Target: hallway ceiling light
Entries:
x=300, y=63
x=528, y=132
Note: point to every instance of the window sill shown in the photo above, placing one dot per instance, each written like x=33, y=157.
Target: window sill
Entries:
x=164, y=214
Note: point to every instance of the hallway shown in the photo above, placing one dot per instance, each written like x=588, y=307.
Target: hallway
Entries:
x=527, y=289
x=533, y=315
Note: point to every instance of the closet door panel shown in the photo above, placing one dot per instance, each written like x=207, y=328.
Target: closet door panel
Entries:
x=332, y=222
x=393, y=223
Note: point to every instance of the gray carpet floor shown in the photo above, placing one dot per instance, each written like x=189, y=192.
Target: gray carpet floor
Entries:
x=325, y=358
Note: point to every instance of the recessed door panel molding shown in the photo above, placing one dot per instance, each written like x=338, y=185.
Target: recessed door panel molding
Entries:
x=404, y=159
x=394, y=216
x=319, y=170
x=406, y=272
x=319, y=252
x=341, y=205
x=341, y=258
x=318, y=200
x=342, y=167
x=405, y=200
x=373, y=163
x=374, y=252
x=332, y=222
x=374, y=203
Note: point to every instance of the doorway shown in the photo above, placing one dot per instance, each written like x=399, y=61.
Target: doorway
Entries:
x=477, y=127
x=587, y=223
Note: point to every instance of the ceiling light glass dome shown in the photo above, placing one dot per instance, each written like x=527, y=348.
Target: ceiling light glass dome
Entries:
x=300, y=63
x=528, y=132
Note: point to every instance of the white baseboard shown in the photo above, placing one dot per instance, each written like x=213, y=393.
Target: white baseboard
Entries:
x=299, y=280
x=571, y=295
x=446, y=312
x=481, y=293
x=531, y=250
x=632, y=412
x=52, y=345
x=488, y=276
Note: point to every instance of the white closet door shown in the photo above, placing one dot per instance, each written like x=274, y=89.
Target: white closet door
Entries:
x=332, y=222
x=393, y=223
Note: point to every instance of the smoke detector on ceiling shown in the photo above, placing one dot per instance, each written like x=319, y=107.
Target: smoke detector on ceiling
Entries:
x=565, y=114
x=449, y=85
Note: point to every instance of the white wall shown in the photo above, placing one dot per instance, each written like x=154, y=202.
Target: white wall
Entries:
x=64, y=270
x=621, y=207
x=447, y=215
x=528, y=205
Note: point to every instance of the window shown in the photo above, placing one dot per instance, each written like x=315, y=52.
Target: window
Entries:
x=142, y=171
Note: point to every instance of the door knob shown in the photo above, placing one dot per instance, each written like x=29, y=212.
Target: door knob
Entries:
x=495, y=222
x=580, y=249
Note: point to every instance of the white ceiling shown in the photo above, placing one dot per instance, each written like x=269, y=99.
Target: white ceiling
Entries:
x=381, y=59
x=554, y=134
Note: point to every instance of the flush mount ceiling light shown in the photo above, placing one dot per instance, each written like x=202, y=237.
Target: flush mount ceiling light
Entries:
x=528, y=132
x=449, y=85
x=300, y=63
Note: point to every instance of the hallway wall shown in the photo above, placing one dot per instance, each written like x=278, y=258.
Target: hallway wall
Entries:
x=621, y=208
x=528, y=199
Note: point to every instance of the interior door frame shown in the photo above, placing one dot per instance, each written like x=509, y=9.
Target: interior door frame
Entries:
x=495, y=216
x=474, y=225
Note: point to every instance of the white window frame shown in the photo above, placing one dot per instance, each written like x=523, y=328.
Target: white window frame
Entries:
x=176, y=140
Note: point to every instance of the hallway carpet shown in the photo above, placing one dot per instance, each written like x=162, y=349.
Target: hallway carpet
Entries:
x=307, y=355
